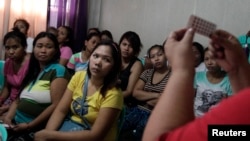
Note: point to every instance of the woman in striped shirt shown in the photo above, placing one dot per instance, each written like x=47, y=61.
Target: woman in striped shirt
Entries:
x=147, y=90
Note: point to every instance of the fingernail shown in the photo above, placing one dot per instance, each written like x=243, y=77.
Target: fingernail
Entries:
x=190, y=29
x=171, y=35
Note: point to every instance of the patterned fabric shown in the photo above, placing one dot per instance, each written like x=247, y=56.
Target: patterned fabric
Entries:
x=76, y=63
x=147, y=77
x=208, y=94
x=36, y=95
x=136, y=118
x=231, y=111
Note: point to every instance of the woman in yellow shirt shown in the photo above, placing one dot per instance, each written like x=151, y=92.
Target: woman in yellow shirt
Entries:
x=92, y=99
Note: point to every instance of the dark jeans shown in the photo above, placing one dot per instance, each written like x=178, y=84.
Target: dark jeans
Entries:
x=135, y=121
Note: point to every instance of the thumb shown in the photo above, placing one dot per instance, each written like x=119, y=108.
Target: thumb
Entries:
x=189, y=36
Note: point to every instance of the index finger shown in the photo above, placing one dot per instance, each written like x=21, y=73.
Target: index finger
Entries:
x=177, y=35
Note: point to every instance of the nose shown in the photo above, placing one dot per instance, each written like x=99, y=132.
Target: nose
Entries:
x=11, y=51
x=98, y=62
x=43, y=49
x=209, y=62
x=126, y=47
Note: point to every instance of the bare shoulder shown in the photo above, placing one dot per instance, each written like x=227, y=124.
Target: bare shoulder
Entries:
x=137, y=66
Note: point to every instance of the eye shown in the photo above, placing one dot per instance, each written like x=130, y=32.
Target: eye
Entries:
x=15, y=47
x=124, y=44
x=39, y=45
x=7, y=47
x=106, y=59
x=160, y=54
x=95, y=55
x=49, y=47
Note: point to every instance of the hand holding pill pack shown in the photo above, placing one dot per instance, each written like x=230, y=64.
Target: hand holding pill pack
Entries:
x=201, y=26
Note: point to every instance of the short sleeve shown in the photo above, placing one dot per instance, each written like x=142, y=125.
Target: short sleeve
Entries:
x=71, y=63
x=66, y=52
x=144, y=75
x=29, y=48
x=76, y=79
x=113, y=99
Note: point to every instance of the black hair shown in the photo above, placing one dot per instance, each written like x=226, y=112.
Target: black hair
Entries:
x=96, y=30
x=110, y=79
x=134, y=40
x=89, y=36
x=107, y=33
x=34, y=67
x=16, y=34
x=155, y=46
x=200, y=48
x=26, y=23
x=70, y=36
x=52, y=29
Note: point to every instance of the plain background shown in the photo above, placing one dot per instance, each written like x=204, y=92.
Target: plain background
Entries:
x=153, y=20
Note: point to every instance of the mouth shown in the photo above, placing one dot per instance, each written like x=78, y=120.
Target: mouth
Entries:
x=211, y=68
x=157, y=63
x=42, y=56
x=125, y=53
x=95, y=70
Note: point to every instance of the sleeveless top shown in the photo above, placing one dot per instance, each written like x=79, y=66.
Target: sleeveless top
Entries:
x=124, y=77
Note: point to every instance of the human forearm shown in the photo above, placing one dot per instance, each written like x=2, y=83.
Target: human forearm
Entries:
x=56, y=120
x=145, y=96
x=4, y=95
x=126, y=94
x=12, y=110
x=68, y=136
x=177, y=102
x=43, y=117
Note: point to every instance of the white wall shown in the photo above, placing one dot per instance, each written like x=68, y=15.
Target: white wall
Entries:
x=154, y=19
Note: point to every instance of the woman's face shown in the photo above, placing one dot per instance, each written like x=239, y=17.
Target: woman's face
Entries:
x=62, y=35
x=157, y=58
x=126, y=49
x=13, y=49
x=101, y=61
x=21, y=26
x=91, y=43
x=197, y=56
x=44, y=50
x=210, y=62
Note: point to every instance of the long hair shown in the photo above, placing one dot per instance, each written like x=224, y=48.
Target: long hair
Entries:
x=110, y=80
x=70, y=36
x=134, y=40
x=34, y=67
x=200, y=48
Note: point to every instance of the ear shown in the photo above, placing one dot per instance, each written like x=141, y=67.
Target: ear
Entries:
x=85, y=43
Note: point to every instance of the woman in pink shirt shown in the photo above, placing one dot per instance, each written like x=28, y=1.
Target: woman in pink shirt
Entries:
x=65, y=39
x=15, y=67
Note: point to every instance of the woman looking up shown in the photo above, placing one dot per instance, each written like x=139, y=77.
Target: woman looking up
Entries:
x=90, y=107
